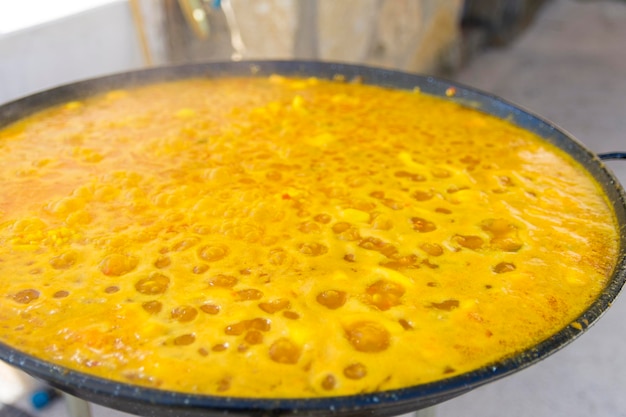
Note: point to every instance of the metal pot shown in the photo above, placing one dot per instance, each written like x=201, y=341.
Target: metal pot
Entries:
x=152, y=402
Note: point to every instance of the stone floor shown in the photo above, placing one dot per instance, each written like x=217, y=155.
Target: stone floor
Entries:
x=570, y=67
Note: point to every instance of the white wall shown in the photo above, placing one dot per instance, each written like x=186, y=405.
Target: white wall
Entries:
x=85, y=44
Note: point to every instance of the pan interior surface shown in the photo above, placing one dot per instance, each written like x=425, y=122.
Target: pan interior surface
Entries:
x=207, y=239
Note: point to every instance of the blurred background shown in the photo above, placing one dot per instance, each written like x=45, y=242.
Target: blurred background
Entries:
x=45, y=43
x=562, y=59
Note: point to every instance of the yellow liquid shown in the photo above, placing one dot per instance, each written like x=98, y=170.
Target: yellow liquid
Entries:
x=272, y=237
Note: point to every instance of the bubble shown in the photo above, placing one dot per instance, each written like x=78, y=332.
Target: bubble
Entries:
x=385, y=294
x=504, y=235
x=248, y=294
x=248, y=232
x=184, y=340
x=236, y=329
x=223, y=281
x=61, y=294
x=154, y=284
x=152, y=307
x=341, y=227
x=28, y=225
x=162, y=262
x=429, y=264
x=78, y=218
x=505, y=181
x=291, y=315
x=355, y=181
x=273, y=176
x=446, y=305
x=202, y=229
x=66, y=205
x=220, y=347
x=309, y=227
x=63, y=261
x=200, y=269
x=422, y=225
x=105, y=193
x=507, y=244
x=184, y=313
x=332, y=299
x=312, y=249
x=112, y=289
x=277, y=256
x=349, y=234
x=421, y=195
x=275, y=305
x=504, y=267
x=408, y=261
x=349, y=257
x=254, y=337
x=498, y=227
x=212, y=309
x=433, y=249
x=185, y=244
x=25, y=296
x=355, y=371
x=213, y=252
x=368, y=336
x=116, y=264
x=469, y=242
x=329, y=382
x=303, y=213
x=284, y=351
x=455, y=189
x=322, y=218
x=257, y=324
x=409, y=175
x=379, y=245
x=381, y=222
x=335, y=192
x=448, y=370
x=405, y=324
x=470, y=160
x=223, y=385
x=440, y=173
x=392, y=204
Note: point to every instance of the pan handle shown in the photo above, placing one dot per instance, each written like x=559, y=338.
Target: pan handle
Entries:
x=612, y=155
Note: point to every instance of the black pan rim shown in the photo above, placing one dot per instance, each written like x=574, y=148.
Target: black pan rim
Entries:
x=400, y=400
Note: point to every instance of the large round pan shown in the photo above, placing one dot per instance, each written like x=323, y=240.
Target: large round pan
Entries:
x=152, y=402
